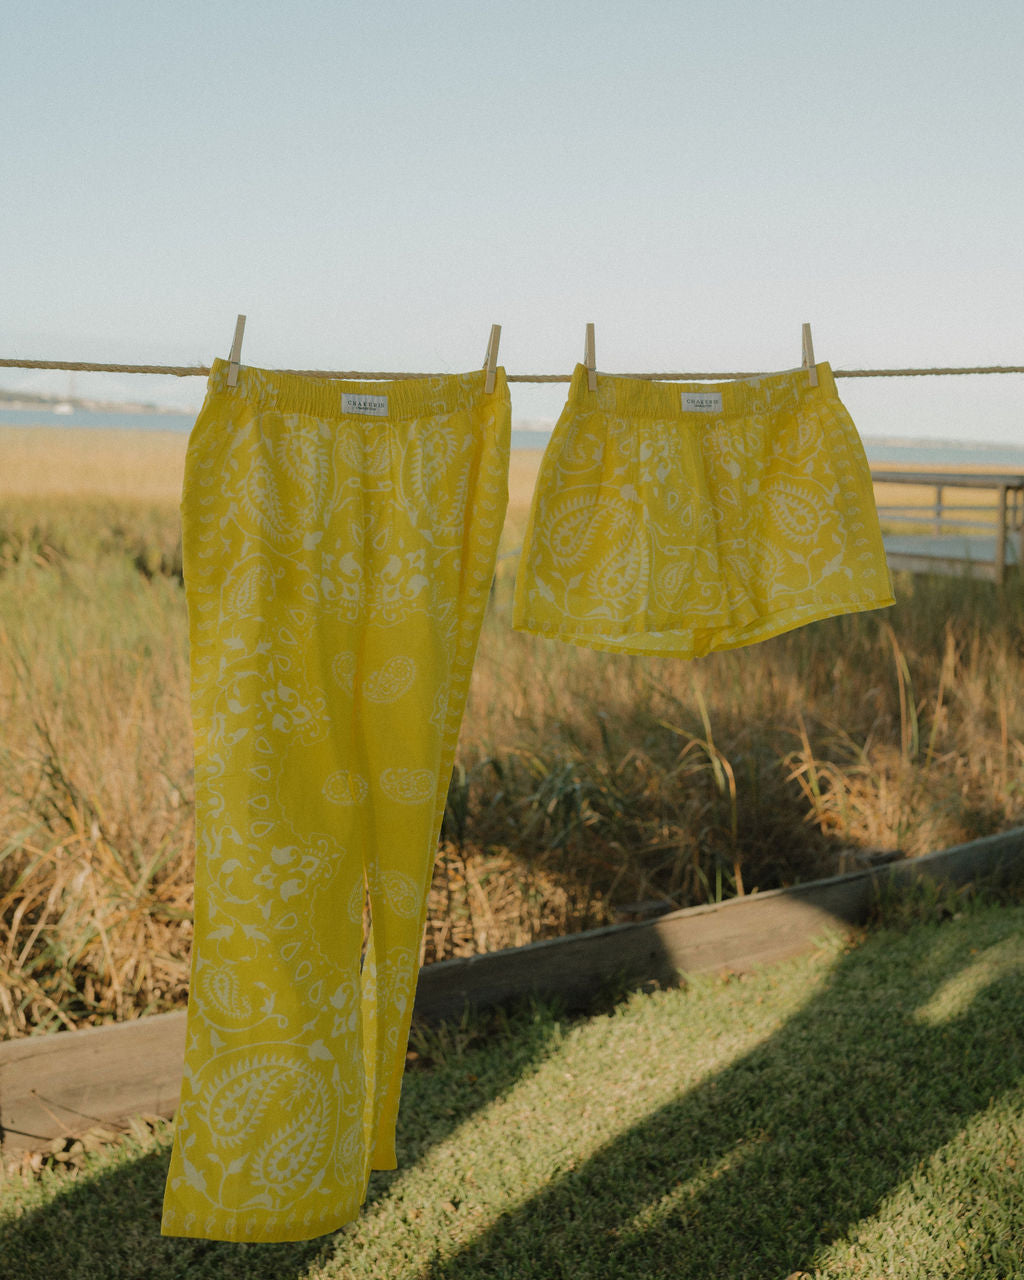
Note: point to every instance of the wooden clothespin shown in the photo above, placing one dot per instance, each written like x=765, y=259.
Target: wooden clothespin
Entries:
x=491, y=358
x=589, y=359
x=808, y=355
x=236, y=352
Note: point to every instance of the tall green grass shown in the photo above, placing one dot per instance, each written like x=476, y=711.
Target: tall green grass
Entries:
x=588, y=787
x=96, y=803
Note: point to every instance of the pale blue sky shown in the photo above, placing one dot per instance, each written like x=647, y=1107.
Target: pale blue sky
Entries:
x=375, y=184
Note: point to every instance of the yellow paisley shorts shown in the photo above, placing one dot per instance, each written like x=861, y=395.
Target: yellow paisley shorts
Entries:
x=339, y=545
x=680, y=518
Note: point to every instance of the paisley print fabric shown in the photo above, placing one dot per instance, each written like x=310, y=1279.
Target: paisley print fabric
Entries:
x=337, y=566
x=679, y=518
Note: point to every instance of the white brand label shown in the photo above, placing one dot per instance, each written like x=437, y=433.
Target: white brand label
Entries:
x=359, y=402
x=701, y=401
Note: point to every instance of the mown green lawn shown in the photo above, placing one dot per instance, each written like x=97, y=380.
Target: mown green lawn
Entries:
x=858, y=1112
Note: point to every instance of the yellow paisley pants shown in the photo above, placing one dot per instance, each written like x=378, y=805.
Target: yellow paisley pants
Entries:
x=339, y=543
x=679, y=518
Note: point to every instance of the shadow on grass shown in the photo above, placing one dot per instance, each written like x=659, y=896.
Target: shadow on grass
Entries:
x=787, y=1149
x=749, y=1174
x=106, y=1225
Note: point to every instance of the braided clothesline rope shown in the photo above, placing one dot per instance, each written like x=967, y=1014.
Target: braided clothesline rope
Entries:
x=203, y=371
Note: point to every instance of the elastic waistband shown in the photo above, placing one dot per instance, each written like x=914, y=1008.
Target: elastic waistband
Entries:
x=665, y=401
x=322, y=397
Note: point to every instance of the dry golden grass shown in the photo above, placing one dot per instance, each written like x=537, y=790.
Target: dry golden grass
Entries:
x=140, y=465
x=522, y=477
x=589, y=787
x=58, y=462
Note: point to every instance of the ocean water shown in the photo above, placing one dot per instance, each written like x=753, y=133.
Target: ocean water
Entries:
x=90, y=419
x=948, y=454
x=890, y=452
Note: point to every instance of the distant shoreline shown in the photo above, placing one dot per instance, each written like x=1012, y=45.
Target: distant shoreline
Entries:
x=59, y=406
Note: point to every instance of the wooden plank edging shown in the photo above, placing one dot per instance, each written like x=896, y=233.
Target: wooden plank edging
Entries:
x=736, y=934
x=71, y=1081
x=65, y=1083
